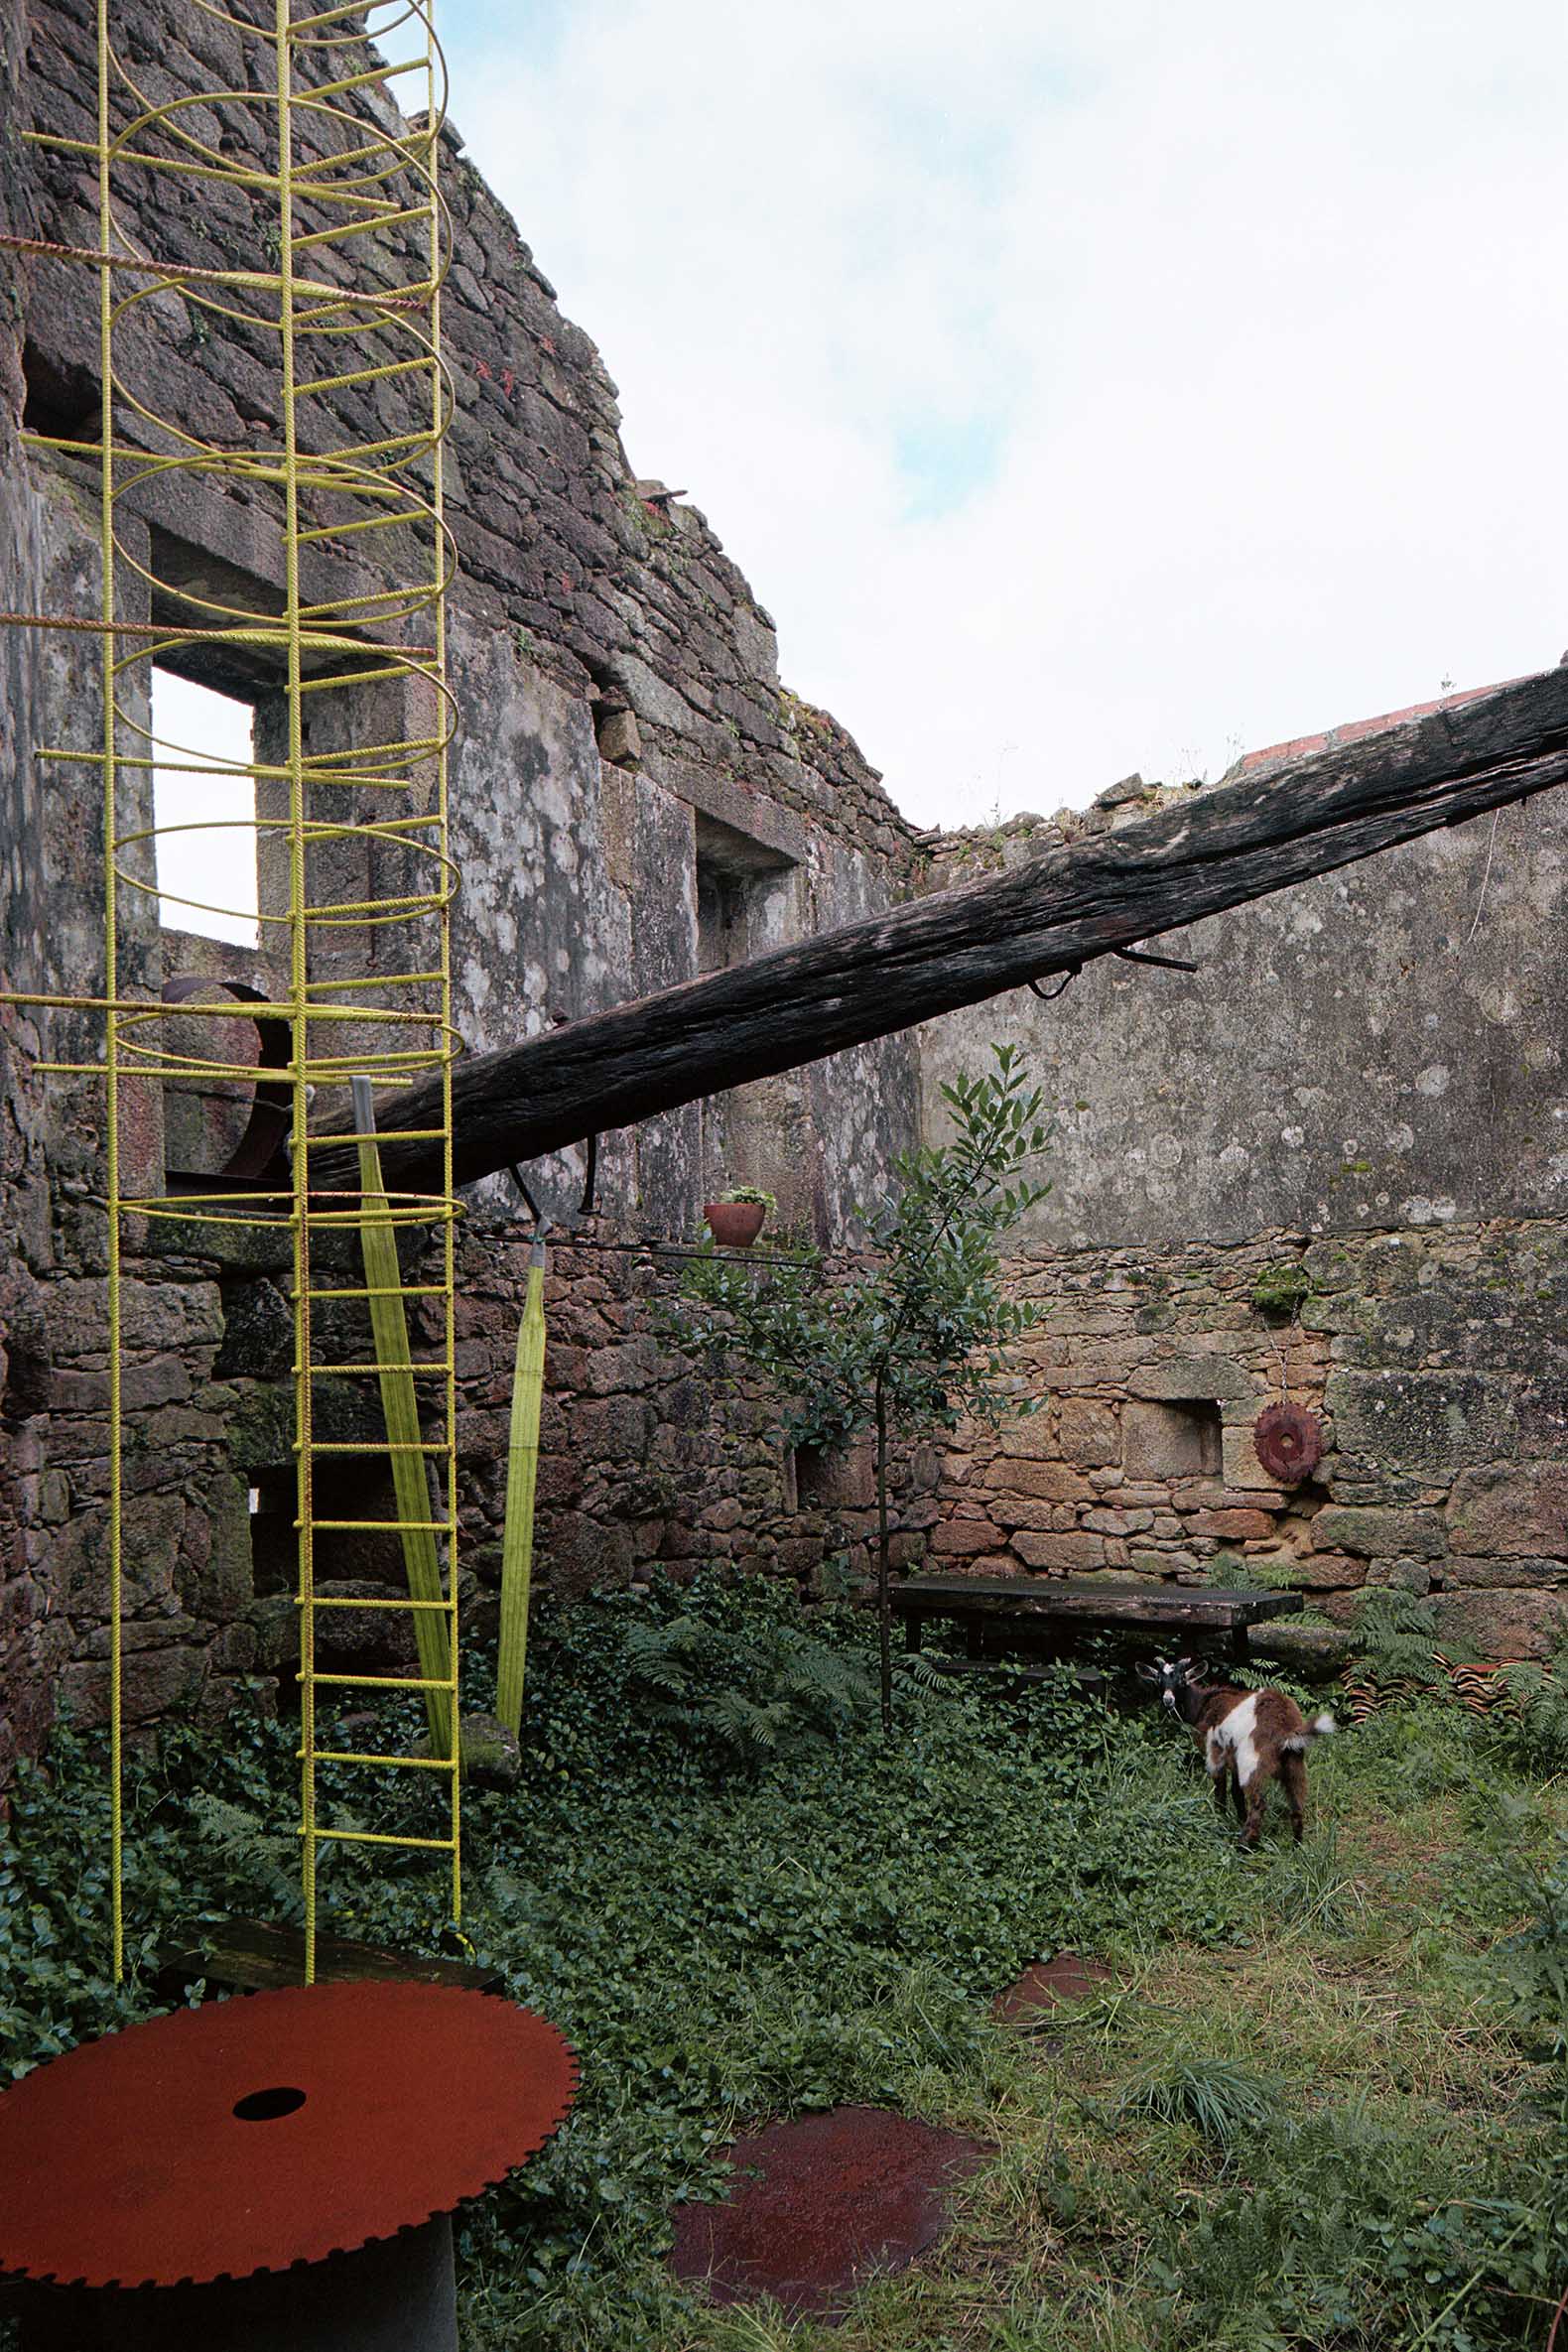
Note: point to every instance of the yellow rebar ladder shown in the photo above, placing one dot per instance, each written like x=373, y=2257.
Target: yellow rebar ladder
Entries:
x=363, y=982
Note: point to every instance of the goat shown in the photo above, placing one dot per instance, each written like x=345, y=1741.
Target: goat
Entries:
x=1250, y=1736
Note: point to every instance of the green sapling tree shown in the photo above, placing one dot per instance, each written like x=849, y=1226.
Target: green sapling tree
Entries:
x=913, y=1336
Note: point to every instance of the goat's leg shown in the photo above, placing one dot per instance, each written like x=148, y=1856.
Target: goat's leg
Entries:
x=1238, y=1798
x=1293, y=1773
x=1256, y=1791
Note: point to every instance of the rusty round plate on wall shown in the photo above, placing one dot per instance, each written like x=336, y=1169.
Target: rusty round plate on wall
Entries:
x=1288, y=1441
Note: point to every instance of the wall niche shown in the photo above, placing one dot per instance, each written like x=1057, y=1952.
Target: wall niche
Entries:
x=1183, y=1438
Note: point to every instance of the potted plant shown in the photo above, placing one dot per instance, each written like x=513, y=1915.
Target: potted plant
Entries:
x=737, y=1217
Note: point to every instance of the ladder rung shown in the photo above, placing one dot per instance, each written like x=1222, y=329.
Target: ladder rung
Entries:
x=362, y=375
x=378, y=1837
x=411, y=1763
x=341, y=1601
x=375, y=1683
x=377, y=980
x=335, y=1140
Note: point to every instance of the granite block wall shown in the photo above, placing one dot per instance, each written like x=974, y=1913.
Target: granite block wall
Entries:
x=1437, y=1362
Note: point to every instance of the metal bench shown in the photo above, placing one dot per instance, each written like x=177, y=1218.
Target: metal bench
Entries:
x=1045, y=1617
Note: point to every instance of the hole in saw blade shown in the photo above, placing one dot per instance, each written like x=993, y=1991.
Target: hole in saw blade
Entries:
x=264, y=2107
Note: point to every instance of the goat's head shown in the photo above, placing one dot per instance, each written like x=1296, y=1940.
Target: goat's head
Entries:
x=1173, y=1677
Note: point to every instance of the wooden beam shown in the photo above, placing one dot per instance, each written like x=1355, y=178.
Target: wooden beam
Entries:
x=1220, y=848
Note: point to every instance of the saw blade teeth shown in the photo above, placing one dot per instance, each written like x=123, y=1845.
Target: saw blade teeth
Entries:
x=480, y=2086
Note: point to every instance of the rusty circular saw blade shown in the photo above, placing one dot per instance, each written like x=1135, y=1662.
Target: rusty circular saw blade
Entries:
x=1288, y=1441
x=182, y=2150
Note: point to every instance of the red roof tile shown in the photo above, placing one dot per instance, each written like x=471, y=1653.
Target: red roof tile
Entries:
x=1355, y=730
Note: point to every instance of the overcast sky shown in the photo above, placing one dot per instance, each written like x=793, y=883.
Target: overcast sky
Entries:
x=1082, y=387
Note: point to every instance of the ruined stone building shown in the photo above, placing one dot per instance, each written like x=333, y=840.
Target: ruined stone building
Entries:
x=1332, y=1162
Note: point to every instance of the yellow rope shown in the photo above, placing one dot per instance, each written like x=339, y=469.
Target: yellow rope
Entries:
x=364, y=179
x=106, y=555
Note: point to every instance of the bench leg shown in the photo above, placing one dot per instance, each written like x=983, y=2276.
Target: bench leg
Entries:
x=914, y=1630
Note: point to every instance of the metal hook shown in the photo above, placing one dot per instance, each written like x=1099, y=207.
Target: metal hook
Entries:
x=1050, y=995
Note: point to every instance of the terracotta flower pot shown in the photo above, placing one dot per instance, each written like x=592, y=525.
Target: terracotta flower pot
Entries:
x=735, y=1225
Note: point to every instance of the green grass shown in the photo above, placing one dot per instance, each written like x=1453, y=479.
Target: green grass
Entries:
x=1316, y=2106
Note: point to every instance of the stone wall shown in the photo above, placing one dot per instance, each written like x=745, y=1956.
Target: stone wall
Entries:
x=635, y=796
x=1381, y=1046
x=644, y=1460
x=1437, y=1361
x=24, y=1190
x=624, y=735
x=644, y=1463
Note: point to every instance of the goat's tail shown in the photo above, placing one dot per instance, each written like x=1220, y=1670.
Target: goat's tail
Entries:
x=1319, y=1727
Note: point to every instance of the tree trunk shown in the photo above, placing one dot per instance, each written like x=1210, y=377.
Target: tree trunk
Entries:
x=884, y=1590
x=1220, y=848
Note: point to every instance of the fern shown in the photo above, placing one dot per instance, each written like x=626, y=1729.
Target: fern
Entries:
x=1533, y=1738
x=751, y=1729
x=659, y=1655
x=266, y=1860
x=922, y=1671
x=750, y=1695
x=827, y=1684
x=1397, y=1635
x=1232, y=1574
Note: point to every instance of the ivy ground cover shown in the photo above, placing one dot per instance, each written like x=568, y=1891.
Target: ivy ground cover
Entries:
x=1321, y=2103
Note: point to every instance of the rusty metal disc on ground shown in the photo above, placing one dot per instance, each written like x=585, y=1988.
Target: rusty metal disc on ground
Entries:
x=836, y=2196
x=1288, y=1441
x=1066, y=1977
x=251, y=2135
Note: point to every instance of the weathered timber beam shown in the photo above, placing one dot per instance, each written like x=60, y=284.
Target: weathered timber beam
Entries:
x=1238, y=842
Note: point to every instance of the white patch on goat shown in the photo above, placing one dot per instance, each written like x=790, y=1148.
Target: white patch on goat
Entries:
x=1235, y=1730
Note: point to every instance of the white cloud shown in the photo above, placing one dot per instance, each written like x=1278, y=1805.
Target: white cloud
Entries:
x=1240, y=326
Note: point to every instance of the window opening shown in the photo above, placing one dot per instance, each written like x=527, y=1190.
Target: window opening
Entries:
x=206, y=815
x=59, y=401
x=721, y=924
x=735, y=877
x=812, y=1477
x=274, y=1553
